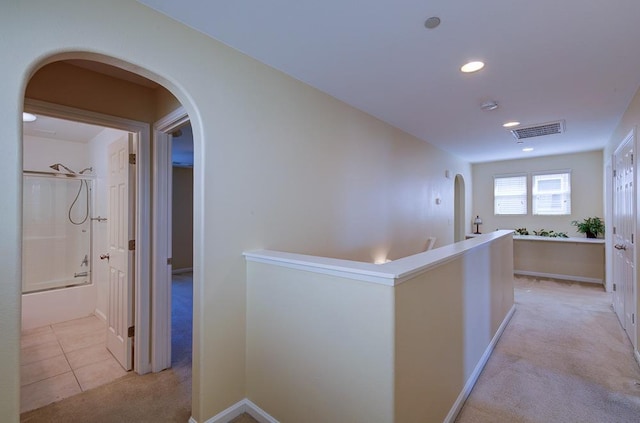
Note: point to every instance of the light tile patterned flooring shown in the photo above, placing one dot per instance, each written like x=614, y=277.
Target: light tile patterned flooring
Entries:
x=64, y=359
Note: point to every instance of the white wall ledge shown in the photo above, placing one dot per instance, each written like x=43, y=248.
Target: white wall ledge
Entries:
x=556, y=239
x=389, y=274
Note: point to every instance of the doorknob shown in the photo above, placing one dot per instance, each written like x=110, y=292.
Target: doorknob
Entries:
x=104, y=256
x=620, y=247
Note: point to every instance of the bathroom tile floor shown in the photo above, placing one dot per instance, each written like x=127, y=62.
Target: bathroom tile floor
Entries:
x=64, y=359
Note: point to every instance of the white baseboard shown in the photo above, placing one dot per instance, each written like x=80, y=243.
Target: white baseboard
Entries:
x=244, y=406
x=258, y=413
x=558, y=276
x=100, y=315
x=183, y=270
x=473, y=378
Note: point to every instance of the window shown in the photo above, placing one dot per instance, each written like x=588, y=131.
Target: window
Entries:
x=510, y=194
x=551, y=193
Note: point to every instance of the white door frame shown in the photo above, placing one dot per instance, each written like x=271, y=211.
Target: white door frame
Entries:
x=459, y=215
x=142, y=356
x=161, y=238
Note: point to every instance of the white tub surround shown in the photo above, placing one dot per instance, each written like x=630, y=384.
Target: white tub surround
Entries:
x=58, y=305
x=578, y=259
x=336, y=340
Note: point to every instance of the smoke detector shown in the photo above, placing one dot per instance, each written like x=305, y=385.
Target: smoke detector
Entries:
x=489, y=105
x=539, y=130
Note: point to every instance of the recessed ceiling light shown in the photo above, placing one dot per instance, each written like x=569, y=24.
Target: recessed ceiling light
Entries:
x=28, y=117
x=432, y=22
x=527, y=149
x=511, y=124
x=472, y=67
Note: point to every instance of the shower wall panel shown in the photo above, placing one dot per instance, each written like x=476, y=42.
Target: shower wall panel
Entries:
x=56, y=232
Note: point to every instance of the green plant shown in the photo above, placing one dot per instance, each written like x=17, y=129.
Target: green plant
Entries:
x=591, y=226
x=522, y=231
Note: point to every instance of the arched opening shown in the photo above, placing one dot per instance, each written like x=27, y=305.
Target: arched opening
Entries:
x=87, y=88
x=459, y=209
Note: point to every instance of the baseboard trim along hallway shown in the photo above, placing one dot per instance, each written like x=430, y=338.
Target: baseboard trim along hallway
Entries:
x=247, y=406
x=473, y=378
x=244, y=406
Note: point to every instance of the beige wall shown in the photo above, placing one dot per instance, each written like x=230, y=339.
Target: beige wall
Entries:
x=582, y=260
x=445, y=319
x=323, y=347
x=182, y=218
x=278, y=165
x=586, y=191
x=319, y=347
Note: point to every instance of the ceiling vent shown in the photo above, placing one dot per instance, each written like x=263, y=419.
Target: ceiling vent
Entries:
x=539, y=130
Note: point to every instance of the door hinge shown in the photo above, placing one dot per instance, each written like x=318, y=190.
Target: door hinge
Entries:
x=614, y=230
x=615, y=173
x=131, y=331
x=614, y=286
x=633, y=318
x=132, y=158
x=632, y=159
x=132, y=244
x=632, y=238
x=170, y=261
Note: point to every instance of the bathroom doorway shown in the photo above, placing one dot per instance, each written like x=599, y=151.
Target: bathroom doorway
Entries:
x=115, y=92
x=65, y=283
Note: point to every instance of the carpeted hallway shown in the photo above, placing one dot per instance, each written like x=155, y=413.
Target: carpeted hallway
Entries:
x=563, y=358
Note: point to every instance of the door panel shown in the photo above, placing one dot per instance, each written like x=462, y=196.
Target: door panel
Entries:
x=121, y=258
x=623, y=237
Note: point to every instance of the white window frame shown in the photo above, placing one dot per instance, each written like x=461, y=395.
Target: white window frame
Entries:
x=539, y=197
x=523, y=196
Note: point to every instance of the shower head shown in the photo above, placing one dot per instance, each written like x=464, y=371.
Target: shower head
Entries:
x=57, y=167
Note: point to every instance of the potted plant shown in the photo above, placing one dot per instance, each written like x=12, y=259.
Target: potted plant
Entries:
x=591, y=226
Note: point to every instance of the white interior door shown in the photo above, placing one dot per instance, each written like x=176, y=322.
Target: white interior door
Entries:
x=121, y=253
x=623, y=237
x=161, y=260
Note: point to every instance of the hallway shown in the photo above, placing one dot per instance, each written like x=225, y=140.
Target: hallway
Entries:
x=563, y=358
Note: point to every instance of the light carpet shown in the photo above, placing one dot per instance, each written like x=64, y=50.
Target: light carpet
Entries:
x=563, y=358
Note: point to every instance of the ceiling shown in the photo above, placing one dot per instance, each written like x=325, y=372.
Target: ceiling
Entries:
x=60, y=129
x=546, y=60
x=67, y=130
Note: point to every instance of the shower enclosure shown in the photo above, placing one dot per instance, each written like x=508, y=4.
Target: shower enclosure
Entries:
x=56, y=230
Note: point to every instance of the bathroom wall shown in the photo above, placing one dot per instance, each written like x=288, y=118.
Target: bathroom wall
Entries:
x=43, y=308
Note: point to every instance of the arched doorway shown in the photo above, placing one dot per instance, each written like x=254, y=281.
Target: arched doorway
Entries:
x=459, y=209
x=112, y=81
